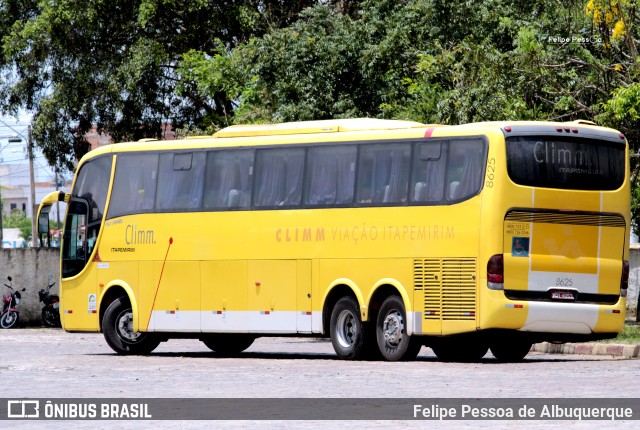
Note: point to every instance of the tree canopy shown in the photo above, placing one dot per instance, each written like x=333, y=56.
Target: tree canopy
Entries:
x=113, y=63
x=130, y=66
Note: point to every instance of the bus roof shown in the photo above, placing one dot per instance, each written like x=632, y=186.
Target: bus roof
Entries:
x=368, y=128
x=310, y=127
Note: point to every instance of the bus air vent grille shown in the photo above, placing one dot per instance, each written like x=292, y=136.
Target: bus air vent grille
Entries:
x=427, y=277
x=449, y=286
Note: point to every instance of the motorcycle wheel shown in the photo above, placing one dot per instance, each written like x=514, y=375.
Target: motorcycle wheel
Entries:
x=9, y=319
x=49, y=318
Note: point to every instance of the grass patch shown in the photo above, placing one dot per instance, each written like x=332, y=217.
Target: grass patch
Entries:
x=629, y=334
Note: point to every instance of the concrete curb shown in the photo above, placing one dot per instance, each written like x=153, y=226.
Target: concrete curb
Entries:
x=611, y=349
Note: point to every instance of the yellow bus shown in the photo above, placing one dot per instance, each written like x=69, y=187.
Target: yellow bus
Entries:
x=382, y=235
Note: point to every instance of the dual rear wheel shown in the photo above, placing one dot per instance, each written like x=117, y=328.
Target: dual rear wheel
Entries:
x=387, y=338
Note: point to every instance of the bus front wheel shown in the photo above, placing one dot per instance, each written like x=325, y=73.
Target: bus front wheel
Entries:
x=117, y=327
x=347, y=330
x=391, y=332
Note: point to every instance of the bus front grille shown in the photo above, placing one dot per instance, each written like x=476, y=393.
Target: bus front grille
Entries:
x=449, y=286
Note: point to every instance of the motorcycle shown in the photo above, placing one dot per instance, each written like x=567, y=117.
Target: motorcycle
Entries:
x=51, y=308
x=9, y=316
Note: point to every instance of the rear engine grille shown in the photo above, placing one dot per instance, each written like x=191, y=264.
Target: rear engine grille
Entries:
x=449, y=286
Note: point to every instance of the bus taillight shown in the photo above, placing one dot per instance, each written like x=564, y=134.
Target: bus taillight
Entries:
x=495, y=273
x=624, y=280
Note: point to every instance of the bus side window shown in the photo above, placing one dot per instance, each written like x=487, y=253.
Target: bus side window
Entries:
x=134, y=186
x=229, y=179
x=429, y=167
x=279, y=175
x=465, y=169
x=180, y=181
x=331, y=174
x=383, y=173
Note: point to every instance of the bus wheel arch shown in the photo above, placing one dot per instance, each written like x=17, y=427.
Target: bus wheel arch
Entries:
x=335, y=293
x=117, y=324
x=111, y=294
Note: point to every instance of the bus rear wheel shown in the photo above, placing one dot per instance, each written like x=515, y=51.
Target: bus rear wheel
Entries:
x=391, y=332
x=510, y=350
x=117, y=327
x=460, y=349
x=228, y=344
x=347, y=330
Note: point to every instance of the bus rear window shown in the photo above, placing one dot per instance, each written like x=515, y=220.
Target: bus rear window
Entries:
x=565, y=163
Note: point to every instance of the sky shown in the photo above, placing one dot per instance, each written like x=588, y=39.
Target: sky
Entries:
x=14, y=154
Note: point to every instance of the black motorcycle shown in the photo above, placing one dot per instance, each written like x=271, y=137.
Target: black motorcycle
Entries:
x=51, y=308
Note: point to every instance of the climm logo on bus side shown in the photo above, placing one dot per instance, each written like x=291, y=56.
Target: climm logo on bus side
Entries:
x=364, y=233
x=133, y=235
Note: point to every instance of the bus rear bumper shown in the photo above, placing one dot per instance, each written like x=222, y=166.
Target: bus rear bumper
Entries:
x=554, y=317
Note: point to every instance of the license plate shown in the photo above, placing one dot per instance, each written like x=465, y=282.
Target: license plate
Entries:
x=562, y=295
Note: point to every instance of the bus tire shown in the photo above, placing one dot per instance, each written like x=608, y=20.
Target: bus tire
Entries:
x=228, y=344
x=512, y=350
x=117, y=327
x=347, y=330
x=393, y=340
x=462, y=350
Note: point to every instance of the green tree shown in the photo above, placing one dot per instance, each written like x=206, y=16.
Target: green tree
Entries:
x=112, y=63
x=131, y=66
x=18, y=219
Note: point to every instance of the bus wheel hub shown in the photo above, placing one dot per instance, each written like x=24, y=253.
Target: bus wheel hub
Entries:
x=393, y=328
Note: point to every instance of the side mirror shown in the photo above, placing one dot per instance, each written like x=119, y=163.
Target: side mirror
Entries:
x=43, y=221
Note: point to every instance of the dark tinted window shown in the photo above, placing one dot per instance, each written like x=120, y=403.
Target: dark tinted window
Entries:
x=279, y=175
x=446, y=171
x=180, y=181
x=568, y=163
x=465, y=169
x=383, y=175
x=134, y=186
x=229, y=179
x=429, y=169
x=92, y=184
x=331, y=175
x=77, y=248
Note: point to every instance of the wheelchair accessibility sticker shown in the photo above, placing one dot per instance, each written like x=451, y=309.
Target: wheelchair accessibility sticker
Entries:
x=520, y=247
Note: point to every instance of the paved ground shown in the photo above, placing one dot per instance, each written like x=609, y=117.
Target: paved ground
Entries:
x=50, y=363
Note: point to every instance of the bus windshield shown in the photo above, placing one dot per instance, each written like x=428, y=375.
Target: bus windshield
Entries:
x=85, y=214
x=565, y=163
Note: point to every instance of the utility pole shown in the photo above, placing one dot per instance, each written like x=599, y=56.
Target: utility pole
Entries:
x=57, y=204
x=11, y=139
x=32, y=182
